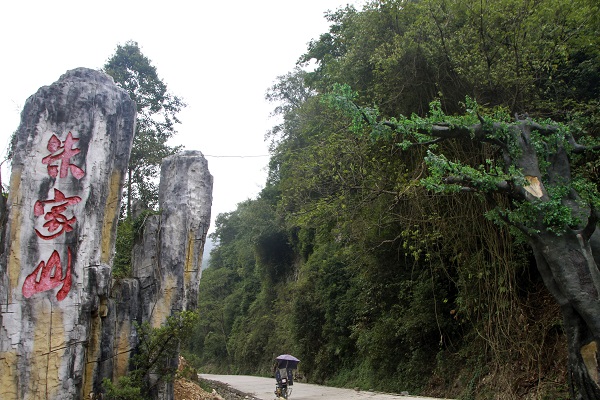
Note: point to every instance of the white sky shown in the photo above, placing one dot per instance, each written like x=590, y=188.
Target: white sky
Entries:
x=220, y=57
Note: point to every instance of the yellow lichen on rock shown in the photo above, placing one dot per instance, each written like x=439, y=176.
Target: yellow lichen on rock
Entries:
x=110, y=216
x=48, y=345
x=122, y=349
x=589, y=352
x=164, y=304
x=92, y=353
x=8, y=377
x=191, y=263
x=41, y=373
x=16, y=217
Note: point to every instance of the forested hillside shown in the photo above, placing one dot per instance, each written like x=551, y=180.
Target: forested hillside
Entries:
x=348, y=261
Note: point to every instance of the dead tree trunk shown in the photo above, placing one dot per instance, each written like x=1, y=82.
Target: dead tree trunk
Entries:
x=559, y=223
x=556, y=211
x=570, y=272
x=564, y=254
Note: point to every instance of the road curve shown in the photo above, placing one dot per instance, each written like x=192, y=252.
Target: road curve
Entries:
x=263, y=388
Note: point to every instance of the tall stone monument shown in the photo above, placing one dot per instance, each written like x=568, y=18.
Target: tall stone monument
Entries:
x=169, y=254
x=68, y=168
x=167, y=258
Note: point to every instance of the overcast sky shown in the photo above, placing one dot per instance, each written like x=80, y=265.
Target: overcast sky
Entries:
x=219, y=56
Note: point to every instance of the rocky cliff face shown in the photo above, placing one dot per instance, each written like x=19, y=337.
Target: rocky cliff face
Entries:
x=65, y=325
x=71, y=155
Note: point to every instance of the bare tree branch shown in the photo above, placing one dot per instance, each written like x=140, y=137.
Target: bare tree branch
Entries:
x=579, y=148
x=589, y=229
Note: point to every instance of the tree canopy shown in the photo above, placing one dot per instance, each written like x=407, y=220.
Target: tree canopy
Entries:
x=433, y=191
x=549, y=203
x=156, y=120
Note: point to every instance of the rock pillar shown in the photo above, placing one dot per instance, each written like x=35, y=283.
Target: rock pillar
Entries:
x=167, y=258
x=68, y=168
x=185, y=198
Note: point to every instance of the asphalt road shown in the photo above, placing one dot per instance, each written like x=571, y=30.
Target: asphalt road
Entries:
x=263, y=389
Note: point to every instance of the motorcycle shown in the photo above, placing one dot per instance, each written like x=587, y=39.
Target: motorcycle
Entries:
x=284, y=366
x=282, y=391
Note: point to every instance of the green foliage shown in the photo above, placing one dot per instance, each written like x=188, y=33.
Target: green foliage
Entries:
x=484, y=178
x=155, y=359
x=125, y=389
x=325, y=298
x=157, y=111
x=588, y=190
x=123, y=248
x=402, y=55
x=128, y=230
x=240, y=310
x=555, y=214
x=359, y=257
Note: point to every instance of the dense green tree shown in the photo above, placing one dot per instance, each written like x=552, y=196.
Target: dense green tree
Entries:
x=376, y=280
x=551, y=205
x=241, y=318
x=156, y=121
x=404, y=54
x=340, y=196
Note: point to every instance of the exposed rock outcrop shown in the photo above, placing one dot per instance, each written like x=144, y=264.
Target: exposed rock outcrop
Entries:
x=65, y=324
x=69, y=163
x=167, y=257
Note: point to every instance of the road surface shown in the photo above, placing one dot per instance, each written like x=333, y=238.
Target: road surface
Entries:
x=263, y=388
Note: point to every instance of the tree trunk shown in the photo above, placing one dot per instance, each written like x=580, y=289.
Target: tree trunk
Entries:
x=570, y=272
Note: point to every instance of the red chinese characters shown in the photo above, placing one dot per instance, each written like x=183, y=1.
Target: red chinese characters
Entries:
x=48, y=276
x=57, y=213
x=57, y=221
x=62, y=152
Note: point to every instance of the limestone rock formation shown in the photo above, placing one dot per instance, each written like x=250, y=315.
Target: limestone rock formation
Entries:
x=65, y=324
x=69, y=163
x=167, y=258
x=185, y=198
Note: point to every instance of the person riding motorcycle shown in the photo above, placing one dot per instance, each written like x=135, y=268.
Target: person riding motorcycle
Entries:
x=283, y=371
x=285, y=379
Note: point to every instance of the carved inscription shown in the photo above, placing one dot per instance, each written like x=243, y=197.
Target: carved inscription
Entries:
x=59, y=218
x=61, y=153
x=57, y=222
x=49, y=275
